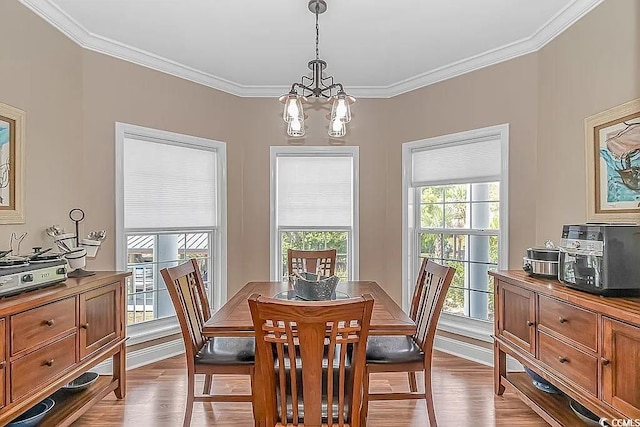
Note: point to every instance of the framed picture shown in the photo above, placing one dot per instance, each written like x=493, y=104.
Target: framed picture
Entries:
x=12, y=130
x=613, y=164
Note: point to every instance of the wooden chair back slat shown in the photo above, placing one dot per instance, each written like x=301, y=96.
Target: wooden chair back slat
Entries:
x=307, y=337
x=186, y=289
x=322, y=262
x=428, y=298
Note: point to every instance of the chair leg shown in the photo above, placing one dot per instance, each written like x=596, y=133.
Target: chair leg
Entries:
x=257, y=422
x=208, y=380
x=429, y=397
x=191, y=389
x=365, y=398
x=413, y=384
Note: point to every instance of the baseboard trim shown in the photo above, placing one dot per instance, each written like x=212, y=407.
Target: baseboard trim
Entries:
x=145, y=356
x=472, y=352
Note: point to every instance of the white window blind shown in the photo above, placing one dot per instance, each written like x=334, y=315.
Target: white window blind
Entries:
x=168, y=186
x=314, y=191
x=453, y=164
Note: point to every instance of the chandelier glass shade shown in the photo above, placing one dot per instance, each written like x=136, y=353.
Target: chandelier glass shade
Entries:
x=319, y=86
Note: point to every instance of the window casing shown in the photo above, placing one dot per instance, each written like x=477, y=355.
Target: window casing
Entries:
x=455, y=211
x=314, y=205
x=170, y=206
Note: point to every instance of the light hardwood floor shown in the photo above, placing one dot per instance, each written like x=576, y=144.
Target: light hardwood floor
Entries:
x=463, y=394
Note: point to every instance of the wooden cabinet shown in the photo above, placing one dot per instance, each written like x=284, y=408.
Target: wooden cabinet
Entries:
x=566, y=361
x=517, y=314
x=588, y=346
x=100, y=318
x=3, y=363
x=620, y=366
x=568, y=321
x=41, y=366
x=34, y=327
x=55, y=334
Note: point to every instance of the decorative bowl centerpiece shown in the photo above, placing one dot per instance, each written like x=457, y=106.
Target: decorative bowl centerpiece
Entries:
x=313, y=287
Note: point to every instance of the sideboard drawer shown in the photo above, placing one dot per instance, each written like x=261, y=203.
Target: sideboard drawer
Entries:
x=575, y=365
x=28, y=372
x=568, y=320
x=33, y=327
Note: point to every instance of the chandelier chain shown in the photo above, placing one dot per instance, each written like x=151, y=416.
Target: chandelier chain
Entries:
x=317, y=32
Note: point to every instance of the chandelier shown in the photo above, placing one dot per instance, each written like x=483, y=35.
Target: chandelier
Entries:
x=318, y=85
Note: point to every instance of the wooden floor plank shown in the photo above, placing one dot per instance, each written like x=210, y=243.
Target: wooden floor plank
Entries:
x=463, y=394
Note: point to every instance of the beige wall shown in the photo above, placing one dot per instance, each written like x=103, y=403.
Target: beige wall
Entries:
x=73, y=97
x=504, y=93
x=268, y=129
x=591, y=67
x=118, y=91
x=41, y=73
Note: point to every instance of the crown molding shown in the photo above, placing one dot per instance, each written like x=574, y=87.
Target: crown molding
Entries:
x=55, y=16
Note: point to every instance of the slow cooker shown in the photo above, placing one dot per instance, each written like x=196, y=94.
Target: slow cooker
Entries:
x=542, y=262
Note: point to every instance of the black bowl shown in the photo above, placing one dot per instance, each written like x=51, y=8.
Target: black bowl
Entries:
x=82, y=382
x=34, y=415
x=584, y=414
x=540, y=383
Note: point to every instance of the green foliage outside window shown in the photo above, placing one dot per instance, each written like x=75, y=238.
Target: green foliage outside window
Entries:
x=449, y=208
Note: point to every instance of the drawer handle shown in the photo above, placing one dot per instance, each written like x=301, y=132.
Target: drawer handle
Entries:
x=85, y=326
x=562, y=359
x=562, y=319
x=49, y=322
x=3, y=364
x=48, y=362
x=605, y=362
x=530, y=323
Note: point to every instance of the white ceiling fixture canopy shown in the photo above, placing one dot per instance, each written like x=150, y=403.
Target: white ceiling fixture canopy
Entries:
x=378, y=48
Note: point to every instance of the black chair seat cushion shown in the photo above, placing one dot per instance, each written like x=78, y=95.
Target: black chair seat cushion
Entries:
x=392, y=349
x=227, y=351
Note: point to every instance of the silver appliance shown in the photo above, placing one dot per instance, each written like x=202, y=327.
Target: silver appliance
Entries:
x=601, y=258
x=29, y=275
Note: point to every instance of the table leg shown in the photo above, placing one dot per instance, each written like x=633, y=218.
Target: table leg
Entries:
x=257, y=390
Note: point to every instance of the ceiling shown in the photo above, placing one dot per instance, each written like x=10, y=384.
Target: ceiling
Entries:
x=259, y=48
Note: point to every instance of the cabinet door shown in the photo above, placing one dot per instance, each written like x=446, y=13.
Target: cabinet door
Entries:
x=100, y=318
x=517, y=315
x=620, y=367
x=3, y=363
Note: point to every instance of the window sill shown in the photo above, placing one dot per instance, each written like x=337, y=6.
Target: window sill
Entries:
x=152, y=330
x=471, y=328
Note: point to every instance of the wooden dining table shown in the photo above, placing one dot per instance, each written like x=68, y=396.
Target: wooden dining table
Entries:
x=234, y=317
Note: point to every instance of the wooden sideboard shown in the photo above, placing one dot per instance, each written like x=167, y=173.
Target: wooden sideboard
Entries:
x=588, y=346
x=53, y=335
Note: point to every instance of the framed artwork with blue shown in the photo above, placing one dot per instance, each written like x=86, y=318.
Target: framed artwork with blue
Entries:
x=613, y=164
x=12, y=135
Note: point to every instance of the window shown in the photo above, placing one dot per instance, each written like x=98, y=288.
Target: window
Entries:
x=170, y=201
x=455, y=213
x=314, y=205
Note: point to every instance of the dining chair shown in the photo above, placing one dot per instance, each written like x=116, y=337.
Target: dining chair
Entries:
x=208, y=356
x=311, y=359
x=412, y=353
x=322, y=262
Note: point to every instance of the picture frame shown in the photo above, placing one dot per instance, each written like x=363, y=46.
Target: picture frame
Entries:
x=12, y=159
x=613, y=164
